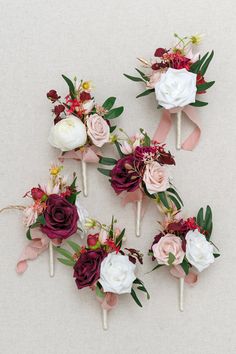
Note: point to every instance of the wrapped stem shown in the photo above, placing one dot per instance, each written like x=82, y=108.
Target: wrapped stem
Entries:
x=51, y=260
x=178, y=138
x=104, y=319
x=138, y=217
x=181, y=294
x=84, y=178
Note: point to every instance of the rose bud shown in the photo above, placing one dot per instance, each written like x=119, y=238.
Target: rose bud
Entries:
x=85, y=96
x=93, y=242
x=53, y=96
x=159, y=52
x=58, y=109
x=37, y=193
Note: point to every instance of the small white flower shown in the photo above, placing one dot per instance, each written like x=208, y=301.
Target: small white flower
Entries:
x=117, y=274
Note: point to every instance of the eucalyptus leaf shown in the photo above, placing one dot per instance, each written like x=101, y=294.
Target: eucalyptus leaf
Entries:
x=107, y=161
x=64, y=253
x=67, y=262
x=104, y=171
x=145, y=93
x=133, y=78
x=74, y=246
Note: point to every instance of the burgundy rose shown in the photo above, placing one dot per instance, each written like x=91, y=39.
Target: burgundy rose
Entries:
x=87, y=268
x=61, y=218
x=52, y=95
x=85, y=96
x=58, y=109
x=165, y=158
x=124, y=176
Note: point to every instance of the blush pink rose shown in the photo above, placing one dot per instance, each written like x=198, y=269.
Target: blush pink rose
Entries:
x=155, y=178
x=168, y=244
x=98, y=130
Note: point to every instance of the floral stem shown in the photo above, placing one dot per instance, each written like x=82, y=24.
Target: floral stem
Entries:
x=51, y=260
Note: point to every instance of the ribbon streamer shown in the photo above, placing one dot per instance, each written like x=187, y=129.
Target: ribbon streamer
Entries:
x=35, y=247
x=166, y=123
x=87, y=154
x=178, y=272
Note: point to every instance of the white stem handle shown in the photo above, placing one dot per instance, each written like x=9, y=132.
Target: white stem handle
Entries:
x=51, y=260
x=84, y=178
x=178, y=140
x=181, y=294
x=138, y=217
x=104, y=319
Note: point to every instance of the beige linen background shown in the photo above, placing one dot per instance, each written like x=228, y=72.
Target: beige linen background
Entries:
x=100, y=40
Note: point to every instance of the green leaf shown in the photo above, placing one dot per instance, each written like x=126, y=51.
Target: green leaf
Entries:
x=147, y=140
x=99, y=292
x=112, y=128
x=72, y=186
x=156, y=267
x=145, y=77
x=119, y=238
x=72, y=198
x=173, y=191
x=74, y=246
x=199, y=103
x=66, y=262
x=163, y=199
x=197, y=65
x=145, y=93
x=136, y=299
x=205, y=86
x=114, y=113
x=152, y=196
x=104, y=171
x=216, y=255
x=175, y=201
x=141, y=286
x=206, y=64
x=119, y=149
x=133, y=78
x=171, y=258
x=107, y=161
x=64, y=253
x=41, y=220
x=71, y=86
x=28, y=234
x=109, y=103
x=200, y=219
x=185, y=266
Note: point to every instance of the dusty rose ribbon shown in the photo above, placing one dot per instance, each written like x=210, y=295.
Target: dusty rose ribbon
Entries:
x=178, y=272
x=133, y=197
x=87, y=154
x=109, y=301
x=35, y=247
x=166, y=123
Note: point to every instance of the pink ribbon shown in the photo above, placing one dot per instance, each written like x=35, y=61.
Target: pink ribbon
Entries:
x=109, y=301
x=35, y=247
x=133, y=197
x=87, y=154
x=166, y=123
x=178, y=272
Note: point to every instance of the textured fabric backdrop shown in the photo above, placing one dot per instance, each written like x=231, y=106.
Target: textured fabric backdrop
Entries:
x=100, y=40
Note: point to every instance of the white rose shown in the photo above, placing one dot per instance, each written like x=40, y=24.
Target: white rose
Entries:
x=199, y=252
x=176, y=88
x=117, y=274
x=155, y=178
x=68, y=134
x=98, y=130
x=88, y=106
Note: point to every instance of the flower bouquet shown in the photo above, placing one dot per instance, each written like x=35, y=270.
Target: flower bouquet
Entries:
x=185, y=246
x=81, y=126
x=103, y=266
x=54, y=215
x=177, y=77
x=142, y=170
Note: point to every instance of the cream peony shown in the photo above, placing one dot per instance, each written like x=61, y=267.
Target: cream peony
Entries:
x=176, y=88
x=68, y=134
x=155, y=178
x=168, y=244
x=199, y=252
x=98, y=130
x=117, y=274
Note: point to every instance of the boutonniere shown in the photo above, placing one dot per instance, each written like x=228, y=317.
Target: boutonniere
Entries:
x=185, y=247
x=81, y=126
x=177, y=78
x=143, y=170
x=104, y=266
